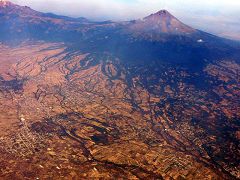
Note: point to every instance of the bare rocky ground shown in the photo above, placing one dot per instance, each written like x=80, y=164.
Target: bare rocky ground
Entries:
x=69, y=115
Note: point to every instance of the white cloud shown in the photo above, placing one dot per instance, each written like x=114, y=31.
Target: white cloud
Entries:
x=205, y=14
x=126, y=9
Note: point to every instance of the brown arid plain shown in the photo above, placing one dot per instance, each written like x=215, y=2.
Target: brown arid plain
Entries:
x=63, y=120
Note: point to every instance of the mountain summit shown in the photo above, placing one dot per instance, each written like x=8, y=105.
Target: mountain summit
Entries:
x=10, y=9
x=21, y=22
x=161, y=13
x=161, y=22
x=4, y=3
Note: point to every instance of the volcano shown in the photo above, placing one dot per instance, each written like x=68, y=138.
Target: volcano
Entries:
x=161, y=22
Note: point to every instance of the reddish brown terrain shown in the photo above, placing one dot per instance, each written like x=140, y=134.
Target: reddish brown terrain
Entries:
x=166, y=23
x=60, y=119
x=84, y=111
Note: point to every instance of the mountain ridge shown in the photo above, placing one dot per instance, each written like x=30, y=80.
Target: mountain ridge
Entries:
x=161, y=22
x=157, y=34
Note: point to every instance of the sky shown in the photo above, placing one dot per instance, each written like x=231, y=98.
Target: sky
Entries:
x=220, y=17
